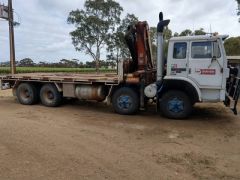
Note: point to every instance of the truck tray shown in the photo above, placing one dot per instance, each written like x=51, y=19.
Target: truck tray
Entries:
x=111, y=78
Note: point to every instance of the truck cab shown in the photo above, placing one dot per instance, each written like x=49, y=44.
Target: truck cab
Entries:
x=196, y=71
x=201, y=61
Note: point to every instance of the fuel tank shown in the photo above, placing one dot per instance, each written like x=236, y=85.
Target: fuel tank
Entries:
x=90, y=92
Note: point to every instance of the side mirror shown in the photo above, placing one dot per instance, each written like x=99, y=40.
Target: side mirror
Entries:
x=214, y=58
x=216, y=54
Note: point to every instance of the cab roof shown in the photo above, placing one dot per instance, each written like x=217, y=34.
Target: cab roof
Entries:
x=201, y=37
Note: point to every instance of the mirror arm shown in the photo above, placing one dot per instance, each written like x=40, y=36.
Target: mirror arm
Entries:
x=214, y=58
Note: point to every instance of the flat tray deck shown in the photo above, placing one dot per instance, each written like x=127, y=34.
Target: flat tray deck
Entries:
x=64, y=77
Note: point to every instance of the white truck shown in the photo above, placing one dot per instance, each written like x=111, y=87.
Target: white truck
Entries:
x=196, y=71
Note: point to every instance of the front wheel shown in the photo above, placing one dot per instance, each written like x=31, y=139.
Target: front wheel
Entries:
x=175, y=105
x=125, y=101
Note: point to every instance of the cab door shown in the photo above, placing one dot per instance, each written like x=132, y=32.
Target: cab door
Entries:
x=206, y=64
x=178, y=59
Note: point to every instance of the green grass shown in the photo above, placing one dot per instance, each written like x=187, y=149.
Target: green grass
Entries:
x=6, y=70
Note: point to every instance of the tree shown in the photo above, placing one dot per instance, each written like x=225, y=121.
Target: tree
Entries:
x=117, y=47
x=5, y=64
x=153, y=37
x=26, y=62
x=69, y=63
x=186, y=32
x=200, y=32
x=42, y=64
x=232, y=46
x=89, y=64
x=167, y=33
x=238, y=13
x=94, y=26
x=176, y=34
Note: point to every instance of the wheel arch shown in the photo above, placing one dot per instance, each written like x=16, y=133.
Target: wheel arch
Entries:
x=131, y=86
x=183, y=84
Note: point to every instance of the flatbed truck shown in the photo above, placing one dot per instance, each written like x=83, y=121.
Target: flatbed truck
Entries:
x=196, y=71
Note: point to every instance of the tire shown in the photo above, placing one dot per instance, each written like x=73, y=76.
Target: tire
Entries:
x=175, y=105
x=50, y=96
x=125, y=101
x=27, y=94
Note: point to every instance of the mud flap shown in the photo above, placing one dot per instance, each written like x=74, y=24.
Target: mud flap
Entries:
x=236, y=96
x=233, y=93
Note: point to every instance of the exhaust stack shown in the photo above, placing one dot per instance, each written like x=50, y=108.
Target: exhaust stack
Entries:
x=160, y=46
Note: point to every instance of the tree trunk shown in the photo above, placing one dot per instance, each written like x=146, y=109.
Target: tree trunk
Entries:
x=117, y=59
x=97, y=60
x=97, y=66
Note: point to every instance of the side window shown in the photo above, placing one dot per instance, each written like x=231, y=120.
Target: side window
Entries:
x=180, y=50
x=202, y=50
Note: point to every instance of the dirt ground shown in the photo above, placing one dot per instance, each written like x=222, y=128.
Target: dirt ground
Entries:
x=85, y=140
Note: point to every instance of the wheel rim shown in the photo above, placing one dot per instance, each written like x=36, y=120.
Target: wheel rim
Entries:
x=124, y=102
x=25, y=94
x=48, y=96
x=176, y=105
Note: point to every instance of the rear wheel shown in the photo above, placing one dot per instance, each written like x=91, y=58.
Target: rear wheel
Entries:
x=50, y=96
x=27, y=94
x=125, y=101
x=175, y=105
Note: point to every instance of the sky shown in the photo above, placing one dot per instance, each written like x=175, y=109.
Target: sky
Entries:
x=44, y=33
